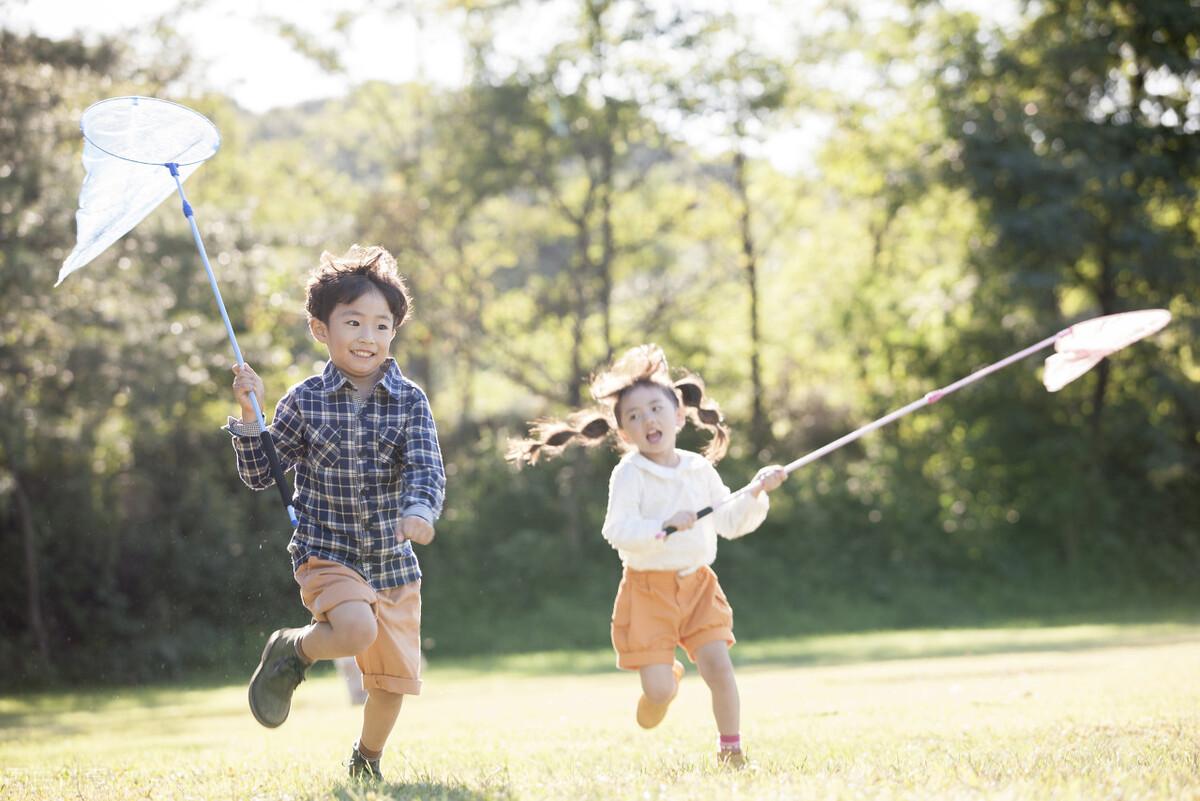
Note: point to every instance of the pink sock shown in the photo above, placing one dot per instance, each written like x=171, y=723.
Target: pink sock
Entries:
x=731, y=742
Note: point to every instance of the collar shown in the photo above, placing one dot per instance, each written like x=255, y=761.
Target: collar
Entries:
x=688, y=461
x=332, y=378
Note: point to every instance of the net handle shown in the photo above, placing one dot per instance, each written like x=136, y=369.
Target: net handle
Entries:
x=935, y=396
x=265, y=435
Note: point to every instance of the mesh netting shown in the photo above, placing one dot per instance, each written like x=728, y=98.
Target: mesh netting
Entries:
x=127, y=142
x=1083, y=345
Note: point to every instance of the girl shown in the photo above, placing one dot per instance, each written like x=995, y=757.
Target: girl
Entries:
x=668, y=595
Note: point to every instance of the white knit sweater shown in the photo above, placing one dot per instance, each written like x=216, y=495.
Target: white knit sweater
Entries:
x=642, y=494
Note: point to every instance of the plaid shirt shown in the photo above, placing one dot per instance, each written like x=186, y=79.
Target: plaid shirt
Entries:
x=360, y=467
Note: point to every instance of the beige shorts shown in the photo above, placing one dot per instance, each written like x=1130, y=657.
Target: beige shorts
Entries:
x=393, y=662
x=656, y=610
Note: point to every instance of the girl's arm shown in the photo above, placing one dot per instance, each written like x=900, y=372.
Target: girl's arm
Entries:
x=741, y=516
x=624, y=528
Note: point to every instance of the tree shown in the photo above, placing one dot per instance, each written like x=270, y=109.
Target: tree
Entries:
x=1079, y=136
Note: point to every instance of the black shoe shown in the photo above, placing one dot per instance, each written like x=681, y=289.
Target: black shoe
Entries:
x=363, y=769
x=279, y=672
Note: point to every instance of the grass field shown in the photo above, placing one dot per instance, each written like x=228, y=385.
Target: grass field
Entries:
x=1072, y=712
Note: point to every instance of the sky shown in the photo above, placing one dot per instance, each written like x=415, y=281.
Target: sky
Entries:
x=242, y=54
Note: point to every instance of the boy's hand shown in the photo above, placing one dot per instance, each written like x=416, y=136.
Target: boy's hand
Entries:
x=415, y=529
x=245, y=381
x=768, y=479
x=680, y=521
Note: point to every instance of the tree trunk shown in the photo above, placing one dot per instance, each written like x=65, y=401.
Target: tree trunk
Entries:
x=33, y=586
x=758, y=419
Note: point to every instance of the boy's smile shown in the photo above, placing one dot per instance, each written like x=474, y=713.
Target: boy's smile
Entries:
x=358, y=335
x=649, y=421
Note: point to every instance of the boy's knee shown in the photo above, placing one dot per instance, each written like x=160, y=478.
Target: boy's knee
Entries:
x=361, y=634
x=357, y=630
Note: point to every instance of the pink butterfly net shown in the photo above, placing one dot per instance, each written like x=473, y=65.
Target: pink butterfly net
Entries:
x=1080, y=347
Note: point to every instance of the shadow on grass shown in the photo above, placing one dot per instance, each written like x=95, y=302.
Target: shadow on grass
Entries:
x=426, y=790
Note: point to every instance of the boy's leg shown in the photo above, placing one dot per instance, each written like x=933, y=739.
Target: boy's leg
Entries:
x=391, y=669
x=348, y=629
x=348, y=669
x=340, y=601
x=379, y=718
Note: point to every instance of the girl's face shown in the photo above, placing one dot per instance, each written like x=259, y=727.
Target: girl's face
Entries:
x=649, y=420
x=359, y=335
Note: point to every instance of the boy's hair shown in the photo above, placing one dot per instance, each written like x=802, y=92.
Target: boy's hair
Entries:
x=642, y=366
x=347, y=278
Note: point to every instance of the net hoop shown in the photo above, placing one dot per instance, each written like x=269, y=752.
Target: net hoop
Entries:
x=149, y=130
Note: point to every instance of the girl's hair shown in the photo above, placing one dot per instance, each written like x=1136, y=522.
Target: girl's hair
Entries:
x=643, y=366
x=346, y=278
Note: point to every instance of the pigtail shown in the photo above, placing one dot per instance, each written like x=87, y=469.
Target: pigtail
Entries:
x=644, y=365
x=549, y=438
x=704, y=413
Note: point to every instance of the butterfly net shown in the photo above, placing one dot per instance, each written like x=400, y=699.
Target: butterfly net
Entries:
x=1083, y=345
x=128, y=141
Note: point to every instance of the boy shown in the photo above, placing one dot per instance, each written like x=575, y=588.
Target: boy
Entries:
x=369, y=483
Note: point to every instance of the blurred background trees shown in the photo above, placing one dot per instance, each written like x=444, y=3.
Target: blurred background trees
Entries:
x=824, y=230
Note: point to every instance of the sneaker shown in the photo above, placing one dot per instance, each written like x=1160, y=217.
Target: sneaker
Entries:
x=731, y=760
x=650, y=715
x=279, y=672
x=363, y=769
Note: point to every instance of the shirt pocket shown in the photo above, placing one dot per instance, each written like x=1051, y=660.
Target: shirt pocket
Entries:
x=391, y=446
x=325, y=446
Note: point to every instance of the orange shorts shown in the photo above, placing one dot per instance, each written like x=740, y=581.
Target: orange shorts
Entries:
x=656, y=610
x=393, y=662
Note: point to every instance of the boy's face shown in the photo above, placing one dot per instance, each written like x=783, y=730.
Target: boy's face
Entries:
x=649, y=422
x=358, y=335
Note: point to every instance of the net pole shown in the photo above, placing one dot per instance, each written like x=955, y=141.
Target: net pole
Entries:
x=265, y=435
x=929, y=398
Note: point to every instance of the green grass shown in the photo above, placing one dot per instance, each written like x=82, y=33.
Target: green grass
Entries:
x=1071, y=712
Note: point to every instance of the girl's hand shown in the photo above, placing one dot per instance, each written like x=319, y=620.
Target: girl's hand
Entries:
x=768, y=479
x=680, y=521
x=245, y=381
x=415, y=529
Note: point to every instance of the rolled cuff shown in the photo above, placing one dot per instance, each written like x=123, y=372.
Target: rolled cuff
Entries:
x=716, y=634
x=240, y=428
x=636, y=660
x=421, y=510
x=391, y=684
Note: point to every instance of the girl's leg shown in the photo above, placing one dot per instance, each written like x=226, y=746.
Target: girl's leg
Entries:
x=349, y=629
x=379, y=717
x=660, y=683
x=717, y=671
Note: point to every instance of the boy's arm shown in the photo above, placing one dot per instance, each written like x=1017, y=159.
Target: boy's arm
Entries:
x=286, y=432
x=423, y=472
